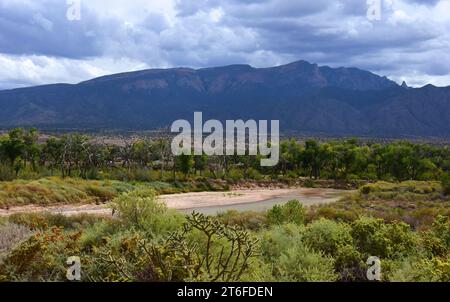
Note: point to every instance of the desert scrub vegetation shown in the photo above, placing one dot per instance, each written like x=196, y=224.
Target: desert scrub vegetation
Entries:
x=56, y=190
x=141, y=210
x=249, y=220
x=416, y=203
x=407, y=190
x=148, y=242
x=41, y=221
x=145, y=241
x=445, y=182
x=291, y=212
x=12, y=234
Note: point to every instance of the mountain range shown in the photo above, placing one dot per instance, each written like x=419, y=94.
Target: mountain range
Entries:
x=305, y=97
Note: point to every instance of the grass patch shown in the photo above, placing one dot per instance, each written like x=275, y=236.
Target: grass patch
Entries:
x=41, y=221
x=417, y=203
x=55, y=190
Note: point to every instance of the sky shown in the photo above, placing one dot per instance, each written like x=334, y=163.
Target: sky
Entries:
x=52, y=41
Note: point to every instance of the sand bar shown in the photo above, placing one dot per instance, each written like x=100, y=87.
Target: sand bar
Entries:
x=198, y=200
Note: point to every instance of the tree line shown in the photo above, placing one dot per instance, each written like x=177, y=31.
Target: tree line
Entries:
x=22, y=153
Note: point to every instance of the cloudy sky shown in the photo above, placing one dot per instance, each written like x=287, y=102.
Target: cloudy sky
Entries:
x=39, y=44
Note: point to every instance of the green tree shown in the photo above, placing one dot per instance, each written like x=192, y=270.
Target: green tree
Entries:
x=445, y=181
x=13, y=148
x=291, y=212
x=185, y=163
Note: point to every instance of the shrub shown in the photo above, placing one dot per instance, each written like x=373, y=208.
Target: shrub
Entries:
x=258, y=271
x=300, y=264
x=42, y=257
x=332, y=212
x=441, y=229
x=309, y=183
x=6, y=173
x=120, y=256
x=334, y=239
x=290, y=259
x=142, y=210
x=445, y=182
x=41, y=221
x=234, y=174
x=374, y=237
x=53, y=190
x=247, y=220
x=349, y=263
x=437, y=240
x=278, y=239
x=365, y=189
x=12, y=234
x=94, y=235
x=422, y=270
x=254, y=174
x=218, y=253
x=291, y=212
x=327, y=236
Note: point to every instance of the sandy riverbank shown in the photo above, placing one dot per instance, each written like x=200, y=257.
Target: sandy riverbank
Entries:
x=199, y=200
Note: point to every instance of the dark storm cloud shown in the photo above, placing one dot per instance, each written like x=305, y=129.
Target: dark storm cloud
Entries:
x=41, y=28
x=424, y=2
x=219, y=32
x=335, y=32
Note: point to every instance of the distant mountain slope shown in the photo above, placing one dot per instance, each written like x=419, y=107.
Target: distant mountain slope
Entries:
x=303, y=96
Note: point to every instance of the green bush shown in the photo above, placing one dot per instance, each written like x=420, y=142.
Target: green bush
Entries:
x=415, y=269
x=436, y=241
x=290, y=259
x=280, y=238
x=142, y=210
x=254, y=174
x=300, y=264
x=350, y=264
x=332, y=212
x=53, y=190
x=234, y=174
x=441, y=229
x=6, y=173
x=41, y=221
x=374, y=237
x=445, y=181
x=202, y=250
x=327, y=236
x=334, y=239
x=291, y=212
x=247, y=220
x=93, y=236
x=365, y=189
x=42, y=257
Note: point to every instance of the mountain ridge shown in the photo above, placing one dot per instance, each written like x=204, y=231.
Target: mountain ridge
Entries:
x=305, y=97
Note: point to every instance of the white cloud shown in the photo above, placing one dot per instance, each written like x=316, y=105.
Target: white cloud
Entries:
x=20, y=71
x=39, y=46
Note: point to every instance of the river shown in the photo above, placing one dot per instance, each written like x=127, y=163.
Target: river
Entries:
x=206, y=202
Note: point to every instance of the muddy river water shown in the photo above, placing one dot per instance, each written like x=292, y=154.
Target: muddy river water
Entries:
x=249, y=200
